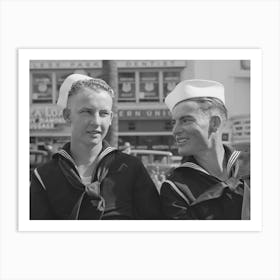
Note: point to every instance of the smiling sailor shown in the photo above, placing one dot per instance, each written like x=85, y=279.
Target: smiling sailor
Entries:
x=207, y=185
x=88, y=179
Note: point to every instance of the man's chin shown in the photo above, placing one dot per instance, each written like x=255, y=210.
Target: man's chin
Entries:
x=182, y=151
x=94, y=141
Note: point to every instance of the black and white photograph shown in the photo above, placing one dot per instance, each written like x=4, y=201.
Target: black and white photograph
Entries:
x=141, y=140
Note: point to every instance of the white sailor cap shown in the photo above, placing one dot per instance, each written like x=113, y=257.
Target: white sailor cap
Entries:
x=194, y=88
x=66, y=86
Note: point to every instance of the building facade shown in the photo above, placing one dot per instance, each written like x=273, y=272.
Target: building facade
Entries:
x=144, y=119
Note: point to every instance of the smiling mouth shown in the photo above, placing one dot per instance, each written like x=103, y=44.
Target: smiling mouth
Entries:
x=94, y=132
x=181, y=141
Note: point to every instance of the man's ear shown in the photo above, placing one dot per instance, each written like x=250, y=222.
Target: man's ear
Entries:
x=215, y=124
x=111, y=117
x=67, y=115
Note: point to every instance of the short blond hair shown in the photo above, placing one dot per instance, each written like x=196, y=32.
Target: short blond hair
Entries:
x=94, y=84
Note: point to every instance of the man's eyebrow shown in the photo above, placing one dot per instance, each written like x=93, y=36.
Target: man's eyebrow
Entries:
x=183, y=117
x=94, y=109
x=85, y=108
x=186, y=117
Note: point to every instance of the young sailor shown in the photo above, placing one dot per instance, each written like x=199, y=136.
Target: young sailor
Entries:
x=207, y=185
x=88, y=179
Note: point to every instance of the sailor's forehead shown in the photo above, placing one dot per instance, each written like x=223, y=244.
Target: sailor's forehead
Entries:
x=185, y=107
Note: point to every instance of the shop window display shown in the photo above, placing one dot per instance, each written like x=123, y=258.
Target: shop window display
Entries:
x=170, y=80
x=42, y=88
x=149, y=86
x=127, y=89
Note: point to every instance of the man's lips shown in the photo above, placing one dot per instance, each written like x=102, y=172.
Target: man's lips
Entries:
x=182, y=140
x=94, y=132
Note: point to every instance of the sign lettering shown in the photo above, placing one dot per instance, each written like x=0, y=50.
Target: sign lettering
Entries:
x=78, y=64
x=48, y=117
x=144, y=114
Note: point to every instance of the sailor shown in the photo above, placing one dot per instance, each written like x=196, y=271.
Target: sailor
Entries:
x=88, y=179
x=207, y=185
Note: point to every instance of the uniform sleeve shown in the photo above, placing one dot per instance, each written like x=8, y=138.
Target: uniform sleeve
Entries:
x=146, y=196
x=172, y=205
x=39, y=205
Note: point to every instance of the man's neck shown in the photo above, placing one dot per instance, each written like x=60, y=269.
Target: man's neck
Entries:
x=84, y=154
x=213, y=161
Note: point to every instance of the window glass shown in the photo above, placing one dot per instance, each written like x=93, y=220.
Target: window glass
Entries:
x=127, y=86
x=170, y=80
x=42, y=88
x=149, y=86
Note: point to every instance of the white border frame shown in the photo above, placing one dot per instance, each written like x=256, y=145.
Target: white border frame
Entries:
x=24, y=57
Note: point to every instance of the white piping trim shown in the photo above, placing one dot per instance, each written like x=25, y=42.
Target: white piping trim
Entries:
x=176, y=189
x=194, y=166
x=40, y=179
x=232, y=161
x=66, y=155
x=100, y=157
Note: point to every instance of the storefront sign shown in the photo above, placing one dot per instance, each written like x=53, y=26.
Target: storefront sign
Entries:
x=241, y=129
x=65, y=64
x=42, y=87
x=170, y=80
x=127, y=86
x=46, y=118
x=149, y=86
x=78, y=64
x=144, y=114
x=151, y=63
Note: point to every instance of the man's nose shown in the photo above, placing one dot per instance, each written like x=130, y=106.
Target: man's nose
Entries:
x=176, y=129
x=95, y=119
